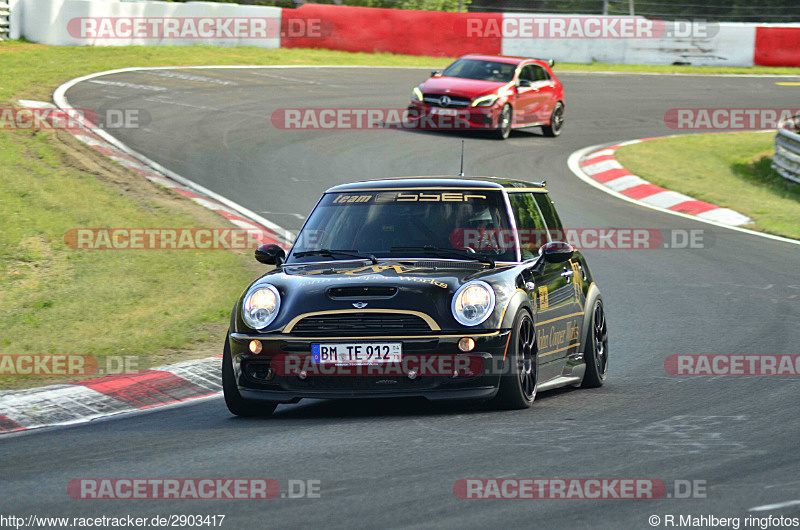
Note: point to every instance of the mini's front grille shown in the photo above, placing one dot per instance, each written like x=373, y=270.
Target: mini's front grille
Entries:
x=373, y=323
x=436, y=100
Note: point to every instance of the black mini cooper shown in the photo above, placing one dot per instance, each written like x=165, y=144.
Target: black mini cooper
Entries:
x=442, y=287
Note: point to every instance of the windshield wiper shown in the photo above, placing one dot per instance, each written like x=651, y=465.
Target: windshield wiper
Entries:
x=330, y=253
x=454, y=252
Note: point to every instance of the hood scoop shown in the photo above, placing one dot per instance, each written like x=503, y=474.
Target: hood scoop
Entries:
x=362, y=292
x=447, y=264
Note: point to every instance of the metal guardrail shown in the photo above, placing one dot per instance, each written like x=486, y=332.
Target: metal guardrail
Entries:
x=786, y=160
x=5, y=14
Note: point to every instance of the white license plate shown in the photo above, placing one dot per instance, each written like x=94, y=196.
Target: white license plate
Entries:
x=444, y=112
x=357, y=353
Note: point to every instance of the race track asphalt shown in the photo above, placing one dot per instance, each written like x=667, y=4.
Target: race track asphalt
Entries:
x=388, y=464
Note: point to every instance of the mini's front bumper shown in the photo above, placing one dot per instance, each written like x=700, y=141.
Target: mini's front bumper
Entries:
x=256, y=378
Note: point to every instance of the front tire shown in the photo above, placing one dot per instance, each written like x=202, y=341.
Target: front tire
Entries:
x=518, y=388
x=230, y=390
x=504, y=122
x=556, y=121
x=596, y=354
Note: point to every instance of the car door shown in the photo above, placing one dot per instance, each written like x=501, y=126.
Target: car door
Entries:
x=548, y=287
x=529, y=98
x=571, y=283
x=546, y=90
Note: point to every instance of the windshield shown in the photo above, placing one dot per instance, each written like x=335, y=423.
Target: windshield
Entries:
x=378, y=223
x=483, y=70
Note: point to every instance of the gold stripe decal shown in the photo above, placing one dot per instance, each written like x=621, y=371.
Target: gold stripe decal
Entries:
x=559, y=318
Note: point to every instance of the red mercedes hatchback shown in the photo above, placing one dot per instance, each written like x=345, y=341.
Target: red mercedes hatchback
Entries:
x=492, y=92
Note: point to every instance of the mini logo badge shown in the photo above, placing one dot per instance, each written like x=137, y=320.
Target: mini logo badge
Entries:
x=444, y=101
x=359, y=305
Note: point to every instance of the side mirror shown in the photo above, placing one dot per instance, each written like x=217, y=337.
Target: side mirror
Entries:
x=435, y=73
x=556, y=251
x=270, y=255
x=524, y=83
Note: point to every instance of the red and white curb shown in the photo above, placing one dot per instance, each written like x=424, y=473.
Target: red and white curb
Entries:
x=603, y=168
x=80, y=402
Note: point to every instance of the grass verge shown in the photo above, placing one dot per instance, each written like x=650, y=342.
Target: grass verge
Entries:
x=149, y=306
x=727, y=169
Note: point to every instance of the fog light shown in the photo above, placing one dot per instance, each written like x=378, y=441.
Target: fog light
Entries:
x=270, y=375
x=466, y=344
x=255, y=346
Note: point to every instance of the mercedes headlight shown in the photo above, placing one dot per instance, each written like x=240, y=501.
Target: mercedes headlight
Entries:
x=260, y=306
x=485, y=101
x=473, y=303
x=416, y=94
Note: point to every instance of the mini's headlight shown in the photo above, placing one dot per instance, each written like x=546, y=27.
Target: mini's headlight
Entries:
x=485, y=101
x=260, y=306
x=416, y=94
x=473, y=303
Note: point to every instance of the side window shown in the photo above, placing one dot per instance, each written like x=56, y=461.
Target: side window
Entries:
x=539, y=73
x=549, y=212
x=530, y=223
x=527, y=73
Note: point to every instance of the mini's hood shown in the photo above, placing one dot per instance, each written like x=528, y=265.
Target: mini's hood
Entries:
x=427, y=289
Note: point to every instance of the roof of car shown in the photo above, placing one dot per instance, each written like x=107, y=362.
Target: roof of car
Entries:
x=503, y=58
x=441, y=181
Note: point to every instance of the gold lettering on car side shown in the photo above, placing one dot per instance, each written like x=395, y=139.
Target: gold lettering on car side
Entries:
x=544, y=298
x=572, y=330
x=554, y=337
